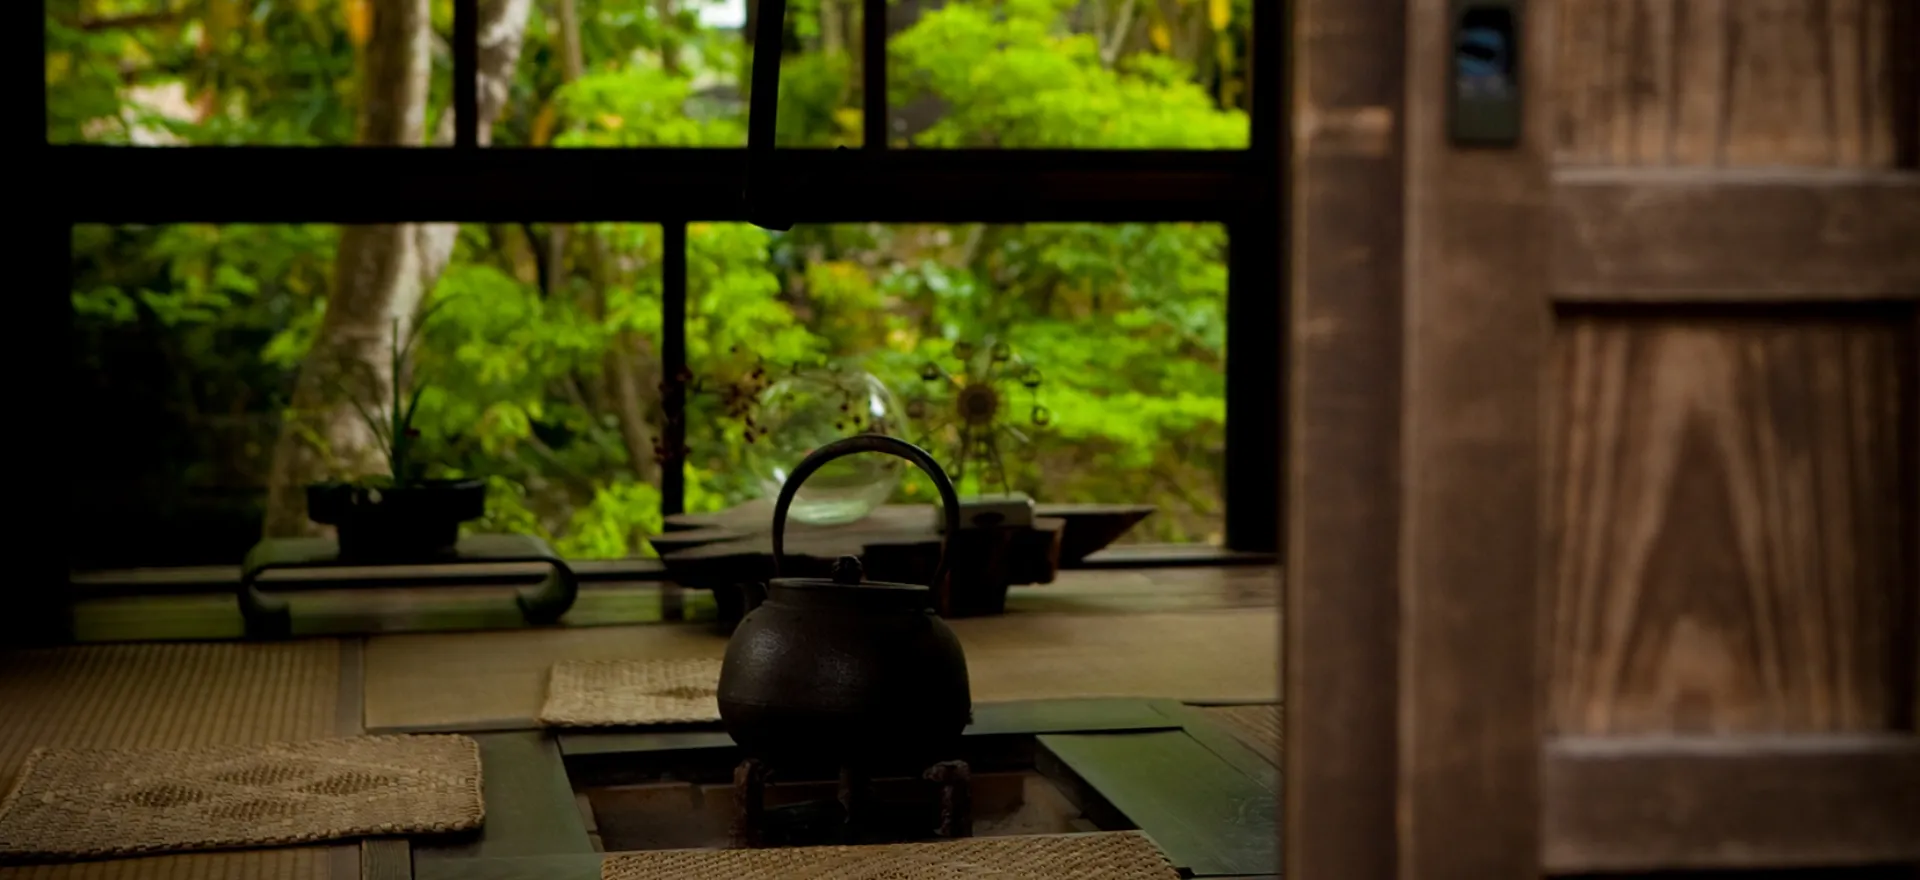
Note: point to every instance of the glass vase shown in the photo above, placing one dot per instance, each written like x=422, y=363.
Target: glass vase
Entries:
x=809, y=408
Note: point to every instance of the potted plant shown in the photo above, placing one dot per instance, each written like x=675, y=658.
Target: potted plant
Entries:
x=402, y=515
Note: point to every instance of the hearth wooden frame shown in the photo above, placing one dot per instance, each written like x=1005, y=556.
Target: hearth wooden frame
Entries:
x=1128, y=749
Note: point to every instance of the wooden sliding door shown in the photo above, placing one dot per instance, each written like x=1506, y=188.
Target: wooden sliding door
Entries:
x=1606, y=443
x=1733, y=555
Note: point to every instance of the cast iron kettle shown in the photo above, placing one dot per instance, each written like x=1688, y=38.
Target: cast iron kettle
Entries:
x=841, y=671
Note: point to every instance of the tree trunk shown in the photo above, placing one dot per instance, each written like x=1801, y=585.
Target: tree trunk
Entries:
x=832, y=29
x=921, y=113
x=381, y=272
x=375, y=279
x=572, y=65
x=1113, y=43
x=622, y=384
x=503, y=25
x=628, y=370
x=629, y=362
x=669, y=42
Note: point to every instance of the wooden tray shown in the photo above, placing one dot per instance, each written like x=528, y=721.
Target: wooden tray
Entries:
x=1087, y=528
x=898, y=543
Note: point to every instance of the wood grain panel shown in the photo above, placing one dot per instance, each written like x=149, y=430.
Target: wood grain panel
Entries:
x=1729, y=547
x=1734, y=82
x=1768, y=801
x=1877, y=872
x=1690, y=235
x=386, y=859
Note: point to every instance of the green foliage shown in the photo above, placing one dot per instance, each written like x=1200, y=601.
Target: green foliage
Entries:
x=637, y=107
x=393, y=424
x=542, y=348
x=1013, y=78
x=275, y=72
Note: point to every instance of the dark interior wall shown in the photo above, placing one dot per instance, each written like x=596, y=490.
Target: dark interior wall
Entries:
x=166, y=463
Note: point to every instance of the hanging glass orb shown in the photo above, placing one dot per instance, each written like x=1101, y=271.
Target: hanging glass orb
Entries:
x=810, y=408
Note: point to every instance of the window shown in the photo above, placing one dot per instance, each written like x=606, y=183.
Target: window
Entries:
x=537, y=369
x=161, y=73
x=593, y=251
x=1114, y=337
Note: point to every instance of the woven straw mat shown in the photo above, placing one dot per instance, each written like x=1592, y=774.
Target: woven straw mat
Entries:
x=1122, y=855
x=620, y=693
x=72, y=803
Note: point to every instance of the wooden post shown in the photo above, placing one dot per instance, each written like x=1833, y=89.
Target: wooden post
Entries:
x=1343, y=423
x=1476, y=321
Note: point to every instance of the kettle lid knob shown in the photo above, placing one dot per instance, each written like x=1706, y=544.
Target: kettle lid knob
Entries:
x=847, y=570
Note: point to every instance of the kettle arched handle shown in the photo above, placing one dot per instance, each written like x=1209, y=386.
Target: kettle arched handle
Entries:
x=949, y=499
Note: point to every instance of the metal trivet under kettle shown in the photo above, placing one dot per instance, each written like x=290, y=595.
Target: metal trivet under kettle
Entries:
x=842, y=672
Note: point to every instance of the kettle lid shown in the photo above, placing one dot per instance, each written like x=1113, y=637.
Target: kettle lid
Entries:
x=848, y=586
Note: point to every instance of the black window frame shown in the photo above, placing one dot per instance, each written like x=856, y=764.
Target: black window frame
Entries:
x=1245, y=190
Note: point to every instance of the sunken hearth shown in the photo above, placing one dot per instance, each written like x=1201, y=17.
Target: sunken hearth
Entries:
x=938, y=804
x=681, y=799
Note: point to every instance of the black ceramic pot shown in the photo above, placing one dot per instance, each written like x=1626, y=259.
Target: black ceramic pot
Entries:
x=419, y=520
x=841, y=671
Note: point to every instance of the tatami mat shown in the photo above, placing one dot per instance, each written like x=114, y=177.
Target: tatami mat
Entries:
x=415, y=681
x=310, y=863
x=168, y=696
x=1117, y=855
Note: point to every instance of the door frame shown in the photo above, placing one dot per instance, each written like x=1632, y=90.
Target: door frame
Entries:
x=1413, y=528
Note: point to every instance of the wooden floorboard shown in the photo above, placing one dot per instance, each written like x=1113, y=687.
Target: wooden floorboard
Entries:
x=1224, y=743
x=989, y=719
x=1207, y=815
x=530, y=806
x=216, y=616
x=578, y=743
x=175, y=612
x=573, y=867
x=1228, y=654
x=1258, y=727
x=386, y=859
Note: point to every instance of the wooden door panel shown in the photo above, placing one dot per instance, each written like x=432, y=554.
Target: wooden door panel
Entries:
x=1868, y=873
x=1734, y=83
x=1729, y=546
x=1766, y=801
x=1732, y=579
x=1692, y=236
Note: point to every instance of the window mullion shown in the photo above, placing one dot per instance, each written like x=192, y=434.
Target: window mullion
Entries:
x=466, y=74
x=873, y=71
x=673, y=366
